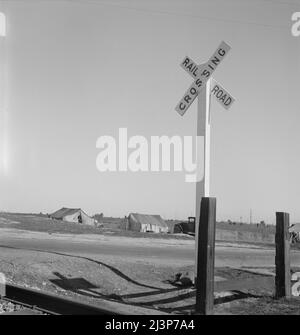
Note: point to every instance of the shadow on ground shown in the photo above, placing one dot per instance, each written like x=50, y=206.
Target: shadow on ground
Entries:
x=182, y=295
x=176, y=299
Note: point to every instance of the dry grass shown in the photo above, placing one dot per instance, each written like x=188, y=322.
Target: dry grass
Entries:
x=41, y=223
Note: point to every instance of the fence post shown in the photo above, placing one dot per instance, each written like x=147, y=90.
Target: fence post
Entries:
x=282, y=257
x=206, y=257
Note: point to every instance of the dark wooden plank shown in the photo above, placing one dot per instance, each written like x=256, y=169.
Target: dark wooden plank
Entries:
x=206, y=257
x=282, y=257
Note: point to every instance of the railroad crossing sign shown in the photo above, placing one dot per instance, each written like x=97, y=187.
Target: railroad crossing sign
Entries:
x=202, y=74
x=204, y=86
x=222, y=96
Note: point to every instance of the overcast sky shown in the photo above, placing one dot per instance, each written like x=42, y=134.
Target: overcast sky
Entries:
x=77, y=70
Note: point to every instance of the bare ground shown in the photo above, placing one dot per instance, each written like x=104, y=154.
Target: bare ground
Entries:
x=139, y=283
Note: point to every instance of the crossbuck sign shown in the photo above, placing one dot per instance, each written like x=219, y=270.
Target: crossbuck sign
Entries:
x=202, y=74
x=204, y=87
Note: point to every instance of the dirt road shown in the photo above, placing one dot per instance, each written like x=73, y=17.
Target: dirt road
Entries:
x=148, y=250
x=134, y=271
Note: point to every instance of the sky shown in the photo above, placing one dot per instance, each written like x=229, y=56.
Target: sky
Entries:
x=73, y=71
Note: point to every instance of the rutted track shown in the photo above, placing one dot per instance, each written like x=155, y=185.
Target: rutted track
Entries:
x=48, y=303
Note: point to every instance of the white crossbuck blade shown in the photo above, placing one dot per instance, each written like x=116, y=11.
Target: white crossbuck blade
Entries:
x=219, y=92
x=202, y=74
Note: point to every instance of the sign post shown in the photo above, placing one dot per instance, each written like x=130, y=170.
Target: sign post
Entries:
x=205, y=87
x=202, y=186
x=206, y=257
x=282, y=257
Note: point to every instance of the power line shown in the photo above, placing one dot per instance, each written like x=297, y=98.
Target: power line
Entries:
x=164, y=12
x=209, y=18
x=287, y=3
x=276, y=2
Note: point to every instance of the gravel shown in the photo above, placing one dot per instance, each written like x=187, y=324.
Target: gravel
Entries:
x=6, y=306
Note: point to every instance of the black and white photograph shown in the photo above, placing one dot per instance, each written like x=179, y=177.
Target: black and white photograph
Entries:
x=149, y=160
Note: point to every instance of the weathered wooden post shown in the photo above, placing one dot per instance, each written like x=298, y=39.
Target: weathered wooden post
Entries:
x=282, y=257
x=2, y=285
x=206, y=257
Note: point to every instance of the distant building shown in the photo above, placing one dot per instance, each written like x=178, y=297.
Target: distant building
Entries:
x=175, y=227
x=146, y=223
x=74, y=215
x=185, y=227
